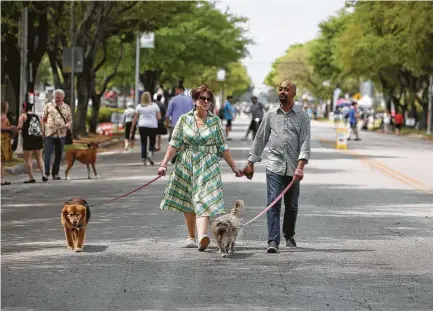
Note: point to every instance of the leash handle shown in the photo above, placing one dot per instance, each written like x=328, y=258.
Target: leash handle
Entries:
x=272, y=204
x=126, y=194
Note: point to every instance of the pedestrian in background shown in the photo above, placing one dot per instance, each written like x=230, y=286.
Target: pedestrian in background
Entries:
x=147, y=115
x=6, y=131
x=195, y=186
x=353, y=121
x=128, y=116
x=228, y=115
x=57, y=120
x=398, y=120
x=286, y=132
x=256, y=116
x=161, y=123
x=178, y=105
x=31, y=129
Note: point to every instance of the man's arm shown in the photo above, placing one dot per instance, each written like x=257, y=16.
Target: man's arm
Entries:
x=304, y=140
x=261, y=140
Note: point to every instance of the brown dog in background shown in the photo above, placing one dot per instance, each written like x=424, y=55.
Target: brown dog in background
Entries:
x=75, y=217
x=85, y=156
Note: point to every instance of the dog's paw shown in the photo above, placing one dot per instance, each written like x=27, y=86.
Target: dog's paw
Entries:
x=224, y=255
x=71, y=248
x=231, y=251
x=78, y=250
x=98, y=177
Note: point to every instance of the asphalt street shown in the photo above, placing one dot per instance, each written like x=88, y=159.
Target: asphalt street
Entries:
x=364, y=234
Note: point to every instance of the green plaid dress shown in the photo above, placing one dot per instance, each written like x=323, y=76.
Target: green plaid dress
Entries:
x=195, y=183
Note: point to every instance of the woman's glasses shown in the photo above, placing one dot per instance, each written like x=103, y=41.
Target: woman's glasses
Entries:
x=204, y=98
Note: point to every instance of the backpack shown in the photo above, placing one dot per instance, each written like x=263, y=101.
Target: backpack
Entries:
x=221, y=112
x=34, y=126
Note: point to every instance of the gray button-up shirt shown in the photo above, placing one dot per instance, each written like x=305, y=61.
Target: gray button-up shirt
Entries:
x=287, y=136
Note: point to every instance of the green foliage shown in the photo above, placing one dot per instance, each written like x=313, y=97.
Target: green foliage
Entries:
x=104, y=114
x=236, y=82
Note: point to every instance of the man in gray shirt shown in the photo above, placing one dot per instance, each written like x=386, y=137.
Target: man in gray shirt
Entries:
x=256, y=117
x=286, y=132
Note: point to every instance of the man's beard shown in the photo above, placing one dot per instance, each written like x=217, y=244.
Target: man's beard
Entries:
x=283, y=99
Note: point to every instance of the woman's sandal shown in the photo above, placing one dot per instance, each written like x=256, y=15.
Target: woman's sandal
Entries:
x=5, y=183
x=31, y=181
x=204, y=243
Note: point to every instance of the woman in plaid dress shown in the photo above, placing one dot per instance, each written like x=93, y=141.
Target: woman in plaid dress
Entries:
x=195, y=186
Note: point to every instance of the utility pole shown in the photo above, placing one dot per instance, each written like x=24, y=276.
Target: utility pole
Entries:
x=137, y=68
x=430, y=107
x=23, y=68
x=72, y=65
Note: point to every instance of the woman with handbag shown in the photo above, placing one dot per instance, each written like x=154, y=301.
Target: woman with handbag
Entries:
x=57, y=123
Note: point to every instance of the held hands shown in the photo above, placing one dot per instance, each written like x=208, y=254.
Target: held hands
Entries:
x=248, y=171
x=237, y=172
x=298, y=175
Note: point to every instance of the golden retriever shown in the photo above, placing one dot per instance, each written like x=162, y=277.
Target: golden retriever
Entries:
x=75, y=217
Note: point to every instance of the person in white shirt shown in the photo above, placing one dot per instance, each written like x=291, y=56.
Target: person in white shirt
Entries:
x=128, y=116
x=147, y=115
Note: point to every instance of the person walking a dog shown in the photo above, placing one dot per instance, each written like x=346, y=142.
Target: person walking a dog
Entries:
x=57, y=120
x=286, y=132
x=195, y=186
x=147, y=114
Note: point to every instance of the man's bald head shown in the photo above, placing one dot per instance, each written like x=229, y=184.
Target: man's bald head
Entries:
x=286, y=92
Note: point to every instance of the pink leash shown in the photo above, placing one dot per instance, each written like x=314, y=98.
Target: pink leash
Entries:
x=131, y=192
x=272, y=204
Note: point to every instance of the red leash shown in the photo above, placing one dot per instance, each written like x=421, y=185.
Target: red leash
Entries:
x=272, y=204
x=131, y=192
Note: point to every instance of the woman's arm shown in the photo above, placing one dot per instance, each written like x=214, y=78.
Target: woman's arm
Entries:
x=227, y=156
x=158, y=115
x=21, y=121
x=5, y=128
x=134, y=122
x=171, y=151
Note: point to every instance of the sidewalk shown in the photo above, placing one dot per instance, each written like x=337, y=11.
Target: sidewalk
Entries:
x=22, y=169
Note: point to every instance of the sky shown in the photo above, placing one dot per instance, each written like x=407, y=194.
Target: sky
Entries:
x=274, y=25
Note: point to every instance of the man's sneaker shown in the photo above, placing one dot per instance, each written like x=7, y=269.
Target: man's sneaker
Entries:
x=290, y=242
x=56, y=177
x=272, y=247
x=190, y=243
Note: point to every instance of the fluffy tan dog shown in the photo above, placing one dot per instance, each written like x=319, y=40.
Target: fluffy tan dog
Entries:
x=75, y=217
x=226, y=227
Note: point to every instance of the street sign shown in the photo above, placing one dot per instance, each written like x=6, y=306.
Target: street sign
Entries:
x=147, y=40
x=78, y=60
x=221, y=75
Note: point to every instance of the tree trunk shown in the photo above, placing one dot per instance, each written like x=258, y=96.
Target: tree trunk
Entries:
x=150, y=79
x=96, y=104
x=83, y=99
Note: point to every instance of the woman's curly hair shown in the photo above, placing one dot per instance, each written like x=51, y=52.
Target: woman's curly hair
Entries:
x=195, y=93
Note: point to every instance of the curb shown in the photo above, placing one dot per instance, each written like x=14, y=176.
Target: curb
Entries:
x=22, y=168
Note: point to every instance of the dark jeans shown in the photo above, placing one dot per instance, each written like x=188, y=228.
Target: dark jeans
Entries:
x=254, y=126
x=276, y=185
x=55, y=144
x=146, y=132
